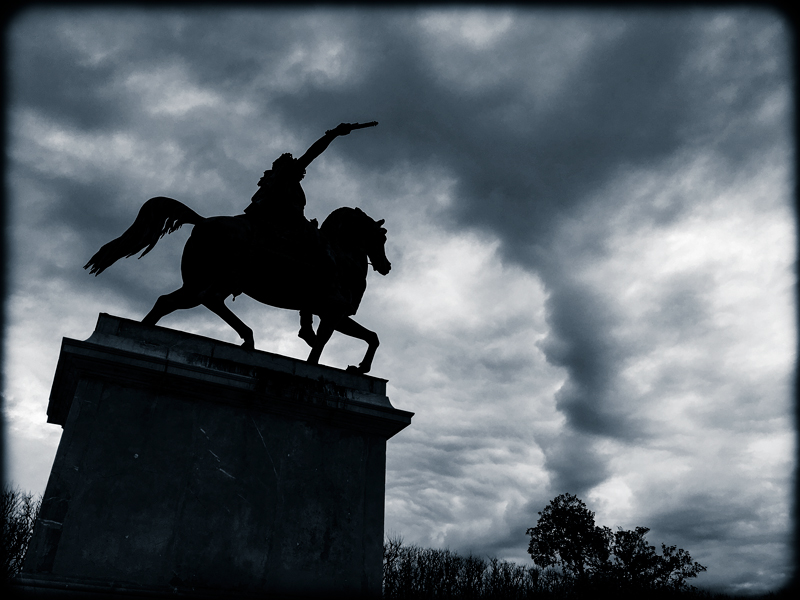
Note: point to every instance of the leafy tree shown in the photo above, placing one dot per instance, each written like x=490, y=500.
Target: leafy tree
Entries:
x=634, y=564
x=675, y=567
x=566, y=536
x=19, y=514
x=632, y=559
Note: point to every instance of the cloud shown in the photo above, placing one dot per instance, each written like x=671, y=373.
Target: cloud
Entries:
x=578, y=340
x=593, y=250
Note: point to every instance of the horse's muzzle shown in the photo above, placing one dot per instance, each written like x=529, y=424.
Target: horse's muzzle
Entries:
x=383, y=268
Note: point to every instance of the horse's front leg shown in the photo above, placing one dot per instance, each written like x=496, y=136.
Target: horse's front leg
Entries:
x=306, y=332
x=349, y=327
x=327, y=325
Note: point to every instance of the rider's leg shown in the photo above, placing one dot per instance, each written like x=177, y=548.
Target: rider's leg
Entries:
x=215, y=302
x=180, y=298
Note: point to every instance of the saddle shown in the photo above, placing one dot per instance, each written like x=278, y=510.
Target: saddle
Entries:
x=300, y=247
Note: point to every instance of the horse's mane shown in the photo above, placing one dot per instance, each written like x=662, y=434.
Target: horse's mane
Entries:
x=336, y=217
x=339, y=219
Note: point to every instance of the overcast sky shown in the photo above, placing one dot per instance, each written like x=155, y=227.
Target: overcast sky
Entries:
x=591, y=226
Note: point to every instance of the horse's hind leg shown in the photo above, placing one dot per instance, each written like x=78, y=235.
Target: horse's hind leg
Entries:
x=180, y=298
x=216, y=304
x=349, y=327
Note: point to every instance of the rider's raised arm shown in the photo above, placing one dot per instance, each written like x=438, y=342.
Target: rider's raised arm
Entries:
x=322, y=143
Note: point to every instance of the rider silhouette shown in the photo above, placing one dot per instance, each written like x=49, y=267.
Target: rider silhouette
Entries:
x=280, y=199
x=278, y=207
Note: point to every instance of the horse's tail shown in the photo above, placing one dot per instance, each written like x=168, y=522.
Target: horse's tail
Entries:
x=157, y=217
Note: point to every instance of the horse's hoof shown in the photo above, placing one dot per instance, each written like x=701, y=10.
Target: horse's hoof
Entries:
x=355, y=369
x=249, y=345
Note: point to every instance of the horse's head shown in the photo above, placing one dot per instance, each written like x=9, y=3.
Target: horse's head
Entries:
x=377, y=252
x=354, y=228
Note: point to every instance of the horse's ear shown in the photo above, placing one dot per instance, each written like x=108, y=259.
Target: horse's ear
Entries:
x=381, y=222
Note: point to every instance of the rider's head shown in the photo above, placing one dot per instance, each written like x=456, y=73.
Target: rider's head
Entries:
x=286, y=161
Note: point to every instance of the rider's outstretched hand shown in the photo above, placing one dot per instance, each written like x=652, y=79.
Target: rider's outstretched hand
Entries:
x=341, y=129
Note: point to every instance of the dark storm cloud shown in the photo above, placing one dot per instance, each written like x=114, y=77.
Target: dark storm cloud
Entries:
x=618, y=108
x=704, y=517
x=574, y=464
x=61, y=85
x=628, y=102
x=632, y=100
x=69, y=198
x=92, y=208
x=578, y=341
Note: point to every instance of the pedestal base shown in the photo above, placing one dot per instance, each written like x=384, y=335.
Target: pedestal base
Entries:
x=190, y=466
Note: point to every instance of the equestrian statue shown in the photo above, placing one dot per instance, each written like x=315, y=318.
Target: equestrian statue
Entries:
x=271, y=253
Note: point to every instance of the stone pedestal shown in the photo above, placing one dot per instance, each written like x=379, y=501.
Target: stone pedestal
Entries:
x=192, y=467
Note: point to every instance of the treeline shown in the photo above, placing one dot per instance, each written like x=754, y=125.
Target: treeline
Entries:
x=411, y=573
x=414, y=573
x=573, y=558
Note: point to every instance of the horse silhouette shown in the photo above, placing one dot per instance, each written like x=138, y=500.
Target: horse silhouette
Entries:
x=231, y=255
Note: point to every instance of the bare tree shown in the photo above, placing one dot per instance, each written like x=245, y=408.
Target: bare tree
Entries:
x=20, y=510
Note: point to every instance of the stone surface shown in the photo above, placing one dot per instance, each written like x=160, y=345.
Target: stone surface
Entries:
x=192, y=466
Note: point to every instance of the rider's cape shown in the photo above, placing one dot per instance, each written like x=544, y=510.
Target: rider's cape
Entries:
x=279, y=196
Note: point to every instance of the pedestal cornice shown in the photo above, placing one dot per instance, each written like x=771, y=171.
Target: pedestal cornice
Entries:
x=206, y=369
